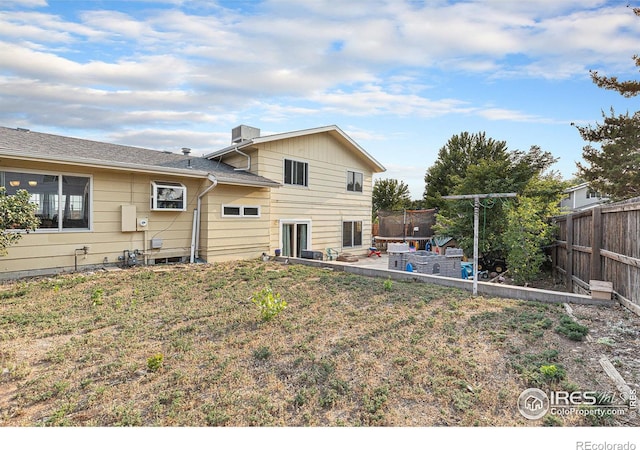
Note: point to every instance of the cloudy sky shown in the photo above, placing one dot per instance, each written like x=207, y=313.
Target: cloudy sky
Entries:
x=399, y=76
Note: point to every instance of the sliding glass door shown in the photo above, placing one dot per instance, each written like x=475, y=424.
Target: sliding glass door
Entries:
x=295, y=238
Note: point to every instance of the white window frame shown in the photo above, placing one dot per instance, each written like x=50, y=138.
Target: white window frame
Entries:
x=173, y=185
x=284, y=172
x=591, y=193
x=307, y=222
x=353, y=222
x=242, y=209
x=349, y=172
x=60, y=175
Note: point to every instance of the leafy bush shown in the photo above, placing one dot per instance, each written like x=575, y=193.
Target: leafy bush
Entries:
x=17, y=213
x=268, y=303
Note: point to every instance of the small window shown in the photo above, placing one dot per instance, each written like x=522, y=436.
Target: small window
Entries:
x=168, y=196
x=593, y=194
x=354, y=181
x=231, y=211
x=352, y=233
x=296, y=172
x=240, y=211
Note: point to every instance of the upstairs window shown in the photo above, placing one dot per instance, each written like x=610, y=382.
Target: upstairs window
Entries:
x=354, y=181
x=168, y=196
x=593, y=194
x=296, y=172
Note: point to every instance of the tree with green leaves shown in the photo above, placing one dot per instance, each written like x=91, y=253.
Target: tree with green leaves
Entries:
x=614, y=169
x=528, y=228
x=17, y=215
x=390, y=194
x=499, y=171
x=454, y=158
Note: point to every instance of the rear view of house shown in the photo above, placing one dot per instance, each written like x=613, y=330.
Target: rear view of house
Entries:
x=106, y=204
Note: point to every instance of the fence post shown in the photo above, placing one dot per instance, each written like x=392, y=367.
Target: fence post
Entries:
x=596, y=243
x=569, y=268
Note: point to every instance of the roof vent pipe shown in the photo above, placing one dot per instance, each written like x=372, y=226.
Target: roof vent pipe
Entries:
x=186, y=151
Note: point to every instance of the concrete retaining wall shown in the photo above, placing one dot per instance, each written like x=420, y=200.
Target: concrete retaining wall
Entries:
x=484, y=288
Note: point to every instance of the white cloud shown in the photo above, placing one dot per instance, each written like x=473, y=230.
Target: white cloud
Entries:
x=276, y=61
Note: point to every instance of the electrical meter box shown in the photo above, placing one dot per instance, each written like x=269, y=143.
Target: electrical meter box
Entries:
x=142, y=223
x=128, y=214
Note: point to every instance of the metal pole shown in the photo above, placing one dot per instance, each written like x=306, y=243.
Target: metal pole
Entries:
x=476, y=214
x=404, y=225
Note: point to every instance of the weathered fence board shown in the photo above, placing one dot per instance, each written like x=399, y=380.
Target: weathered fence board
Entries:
x=600, y=244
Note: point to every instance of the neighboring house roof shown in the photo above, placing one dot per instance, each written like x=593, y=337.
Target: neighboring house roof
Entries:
x=577, y=187
x=333, y=130
x=29, y=145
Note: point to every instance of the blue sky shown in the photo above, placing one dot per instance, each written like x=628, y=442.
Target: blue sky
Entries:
x=400, y=77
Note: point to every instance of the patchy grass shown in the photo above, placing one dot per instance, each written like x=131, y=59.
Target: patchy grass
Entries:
x=187, y=346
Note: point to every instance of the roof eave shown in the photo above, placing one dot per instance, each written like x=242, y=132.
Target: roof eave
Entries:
x=156, y=170
x=377, y=166
x=87, y=162
x=232, y=182
x=230, y=149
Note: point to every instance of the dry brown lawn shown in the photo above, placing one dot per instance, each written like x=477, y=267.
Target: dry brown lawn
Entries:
x=185, y=346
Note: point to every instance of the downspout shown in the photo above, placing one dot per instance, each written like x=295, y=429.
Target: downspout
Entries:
x=195, y=236
x=248, y=160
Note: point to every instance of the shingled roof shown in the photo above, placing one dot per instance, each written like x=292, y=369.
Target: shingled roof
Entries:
x=29, y=145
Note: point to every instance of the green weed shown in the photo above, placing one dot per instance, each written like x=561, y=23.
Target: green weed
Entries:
x=571, y=329
x=154, y=363
x=268, y=303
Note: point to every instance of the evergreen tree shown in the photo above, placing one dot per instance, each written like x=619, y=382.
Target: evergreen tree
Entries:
x=614, y=169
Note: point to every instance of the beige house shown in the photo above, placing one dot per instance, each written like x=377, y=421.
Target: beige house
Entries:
x=105, y=204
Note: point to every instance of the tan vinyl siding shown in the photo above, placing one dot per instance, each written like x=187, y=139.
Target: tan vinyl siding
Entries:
x=325, y=201
x=240, y=161
x=228, y=238
x=324, y=204
x=54, y=251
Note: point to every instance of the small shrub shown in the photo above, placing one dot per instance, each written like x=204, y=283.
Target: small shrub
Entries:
x=552, y=372
x=154, y=363
x=387, y=285
x=262, y=353
x=571, y=329
x=302, y=397
x=269, y=304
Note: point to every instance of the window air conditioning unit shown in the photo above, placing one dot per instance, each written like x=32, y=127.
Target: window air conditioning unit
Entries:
x=168, y=196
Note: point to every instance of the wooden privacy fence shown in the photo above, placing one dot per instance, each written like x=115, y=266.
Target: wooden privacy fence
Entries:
x=602, y=243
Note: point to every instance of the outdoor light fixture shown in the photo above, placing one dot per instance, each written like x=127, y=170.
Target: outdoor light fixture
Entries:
x=33, y=183
x=14, y=183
